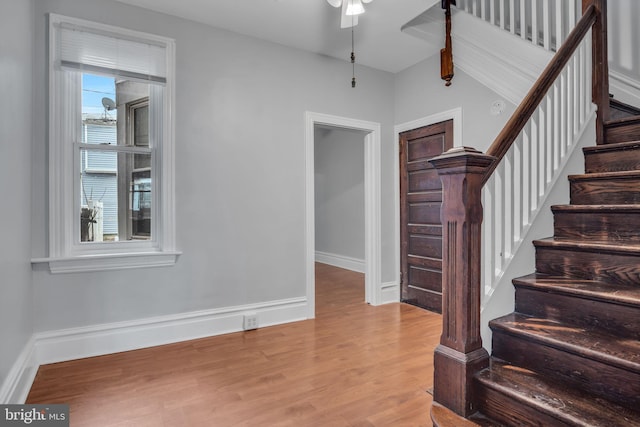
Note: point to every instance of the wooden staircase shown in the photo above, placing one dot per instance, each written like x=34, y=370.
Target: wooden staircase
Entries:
x=570, y=353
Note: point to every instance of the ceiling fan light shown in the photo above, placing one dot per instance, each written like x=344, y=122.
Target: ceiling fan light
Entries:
x=336, y=3
x=354, y=7
x=366, y=1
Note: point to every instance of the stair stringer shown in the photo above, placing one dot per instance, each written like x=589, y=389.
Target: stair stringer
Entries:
x=501, y=300
x=504, y=63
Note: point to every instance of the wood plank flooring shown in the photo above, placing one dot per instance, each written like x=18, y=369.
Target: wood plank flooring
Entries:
x=354, y=365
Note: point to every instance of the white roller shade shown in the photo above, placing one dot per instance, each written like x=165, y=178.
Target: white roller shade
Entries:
x=99, y=51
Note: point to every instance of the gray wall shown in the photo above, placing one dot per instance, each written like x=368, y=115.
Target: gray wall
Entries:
x=624, y=57
x=16, y=313
x=240, y=174
x=339, y=191
x=421, y=93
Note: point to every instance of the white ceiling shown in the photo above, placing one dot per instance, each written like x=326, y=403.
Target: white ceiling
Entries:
x=314, y=26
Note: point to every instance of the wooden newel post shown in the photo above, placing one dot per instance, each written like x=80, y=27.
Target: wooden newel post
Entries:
x=600, y=83
x=460, y=353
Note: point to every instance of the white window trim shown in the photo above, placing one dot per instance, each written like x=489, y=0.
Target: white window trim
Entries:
x=63, y=255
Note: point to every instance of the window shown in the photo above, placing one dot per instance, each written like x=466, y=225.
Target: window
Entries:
x=110, y=147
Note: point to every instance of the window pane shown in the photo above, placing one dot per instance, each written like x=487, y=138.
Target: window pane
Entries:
x=99, y=198
x=116, y=204
x=141, y=204
x=115, y=112
x=99, y=112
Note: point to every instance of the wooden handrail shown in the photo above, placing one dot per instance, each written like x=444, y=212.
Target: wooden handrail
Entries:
x=528, y=106
x=464, y=172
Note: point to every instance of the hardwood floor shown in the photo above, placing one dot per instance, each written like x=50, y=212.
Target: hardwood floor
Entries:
x=354, y=365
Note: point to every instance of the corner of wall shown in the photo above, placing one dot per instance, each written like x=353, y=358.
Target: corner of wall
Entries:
x=18, y=382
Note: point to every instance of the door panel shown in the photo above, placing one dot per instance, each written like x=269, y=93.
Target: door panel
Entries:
x=420, y=204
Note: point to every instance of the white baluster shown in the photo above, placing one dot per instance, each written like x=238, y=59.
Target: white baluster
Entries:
x=523, y=19
x=549, y=138
x=509, y=222
x=557, y=125
x=546, y=25
x=534, y=22
x=512, y=16
x=560, y=17
x=564, y=107
x=526, y=173
x=572, y=15
x=542, y=150
x=518, y=189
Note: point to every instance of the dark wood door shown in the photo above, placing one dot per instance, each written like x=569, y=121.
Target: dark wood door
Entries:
x=420, y=227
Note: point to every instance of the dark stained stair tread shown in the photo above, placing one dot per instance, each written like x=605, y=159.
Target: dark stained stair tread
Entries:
x=590, y=289
x=619, y=109
x=625, y=121
x=623, y=353
x=622, y=130
x=622, y=209
x=586, y=246
x=566, y=405
x=634, y=174
x=619, y=146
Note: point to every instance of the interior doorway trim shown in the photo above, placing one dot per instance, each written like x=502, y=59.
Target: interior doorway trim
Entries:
x=455, y=115
x=372, y=207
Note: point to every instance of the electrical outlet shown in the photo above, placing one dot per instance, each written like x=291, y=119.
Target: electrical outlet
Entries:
x=250, y=321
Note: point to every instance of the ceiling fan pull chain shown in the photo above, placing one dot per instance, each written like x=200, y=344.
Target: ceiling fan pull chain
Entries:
x=353, y=59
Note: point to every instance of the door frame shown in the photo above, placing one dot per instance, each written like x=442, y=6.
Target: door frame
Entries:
x=372, y=206
x=455, y=115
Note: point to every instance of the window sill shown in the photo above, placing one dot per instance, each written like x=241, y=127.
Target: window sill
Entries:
x=106, y=262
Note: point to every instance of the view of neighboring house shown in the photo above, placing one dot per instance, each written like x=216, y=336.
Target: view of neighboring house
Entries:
x=100, y=174
x=115, y=205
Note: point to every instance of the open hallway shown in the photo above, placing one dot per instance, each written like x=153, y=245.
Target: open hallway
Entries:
x=354, y=365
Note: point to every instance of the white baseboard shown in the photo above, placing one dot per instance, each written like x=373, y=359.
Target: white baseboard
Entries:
x=76, y=343
x=389, y=292
x=341, y=261
x=97, y=340
x=16, y=386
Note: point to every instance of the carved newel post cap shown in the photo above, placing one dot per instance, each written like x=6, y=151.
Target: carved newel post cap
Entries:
x=467, y=158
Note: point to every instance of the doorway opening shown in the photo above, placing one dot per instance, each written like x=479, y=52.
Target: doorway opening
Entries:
x=370, y=132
